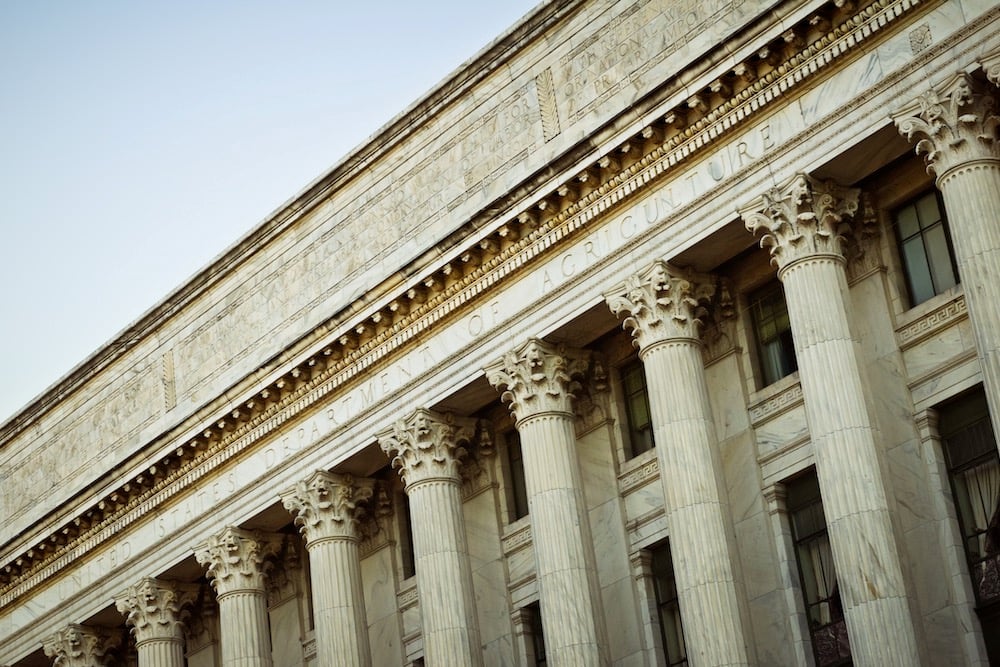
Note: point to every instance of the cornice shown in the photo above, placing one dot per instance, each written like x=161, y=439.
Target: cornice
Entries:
x=408, y=122
x=365, y=337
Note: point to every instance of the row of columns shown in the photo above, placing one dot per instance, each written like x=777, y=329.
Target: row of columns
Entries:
x=804, y=223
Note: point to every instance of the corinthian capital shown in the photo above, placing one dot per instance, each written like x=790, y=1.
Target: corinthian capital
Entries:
x=804, y=218
x=152, y=608
x=327, y=505
x=428, y=445
x=953, y=124
x=79, y=646
x=236, y=559
x=991, y=66
x=538, y=377
x=661, y=303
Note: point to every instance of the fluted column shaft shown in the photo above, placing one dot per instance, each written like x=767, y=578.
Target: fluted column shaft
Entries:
x=428, y=447
x=660, y=306
x=328, y=510
x=538, y=381
x=803, y=222
x=972, y=197
x=855, y=501
x=444, y=574
x=338, y=602
x=236, y=560
x=686, y=451
x=243, y=624
x=955, y=128
x=565, y=564
x=161, y=652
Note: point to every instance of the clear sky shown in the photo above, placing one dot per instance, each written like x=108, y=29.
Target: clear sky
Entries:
x=138, y=140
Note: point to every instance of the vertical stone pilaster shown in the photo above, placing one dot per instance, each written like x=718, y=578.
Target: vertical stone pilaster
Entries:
x=236, y=560
x=955, y=128
x=539, y=381
x=649, y=613
x=428, y=447
x=803, y=224
x=152, y=609
x=788, y=571
x=328, y=509
x=662, y=306
x=80, y=646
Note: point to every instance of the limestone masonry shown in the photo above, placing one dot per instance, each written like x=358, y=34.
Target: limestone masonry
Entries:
x=663, y=332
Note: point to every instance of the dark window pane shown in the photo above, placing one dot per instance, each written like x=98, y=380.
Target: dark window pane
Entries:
x=637, y=412
x=939, y=258
x=906, y=220
x=772, y=329
x=824, y=611
x=974, y=471
x=918, y=273
x=927, y=210
x=924, y=247
x=671, y=628
x=406, y=538
x=518, y=488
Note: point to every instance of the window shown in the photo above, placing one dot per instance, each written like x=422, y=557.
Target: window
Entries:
x=537, y=637
x=518, y=491
x=640, y=426
x=925, y=247
x=405, y=537
x=824, y=611
x=974, y=469
x=669, y=610
x=773, y=332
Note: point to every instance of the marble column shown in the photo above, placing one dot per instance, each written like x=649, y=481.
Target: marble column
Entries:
x=803, y=223
x=236, y=559
x=538, y=382
x=80, y=646
x=328, y=510
x=152, y=609
x=428, y=447
x=955, y=127
x=661, y=307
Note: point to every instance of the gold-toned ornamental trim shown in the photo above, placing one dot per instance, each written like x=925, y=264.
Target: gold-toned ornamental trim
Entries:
x=615, y=177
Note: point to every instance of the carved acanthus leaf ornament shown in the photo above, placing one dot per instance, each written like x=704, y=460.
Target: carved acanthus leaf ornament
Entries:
x=428, y=445
x=237, y=558
x=79, y=646
x=538, y=377
x=329, y=505
x=991, y=66
x=804, y=218
x=662, y=303
x=954, y=123
x=153, y=608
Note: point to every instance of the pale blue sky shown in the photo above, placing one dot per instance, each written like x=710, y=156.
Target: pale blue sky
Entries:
x=140, y=139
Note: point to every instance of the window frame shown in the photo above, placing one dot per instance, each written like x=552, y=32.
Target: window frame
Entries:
x=644, y=434
x=661, y=563
x=922, y=234
x=767, y=373
x=798, y=500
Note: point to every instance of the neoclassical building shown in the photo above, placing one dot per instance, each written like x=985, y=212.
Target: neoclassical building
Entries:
x=663, y=332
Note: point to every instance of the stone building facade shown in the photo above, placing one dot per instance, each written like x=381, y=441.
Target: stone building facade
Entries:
x=662, y=332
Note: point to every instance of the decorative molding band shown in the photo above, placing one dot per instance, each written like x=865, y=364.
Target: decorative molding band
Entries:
x=934, y=373
x=640, y=476
x=517, y=539
x=309, y=646
x=773, y=406
x=359, y=341
x=941, y=318
x=789, y=446
x=407, y=597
